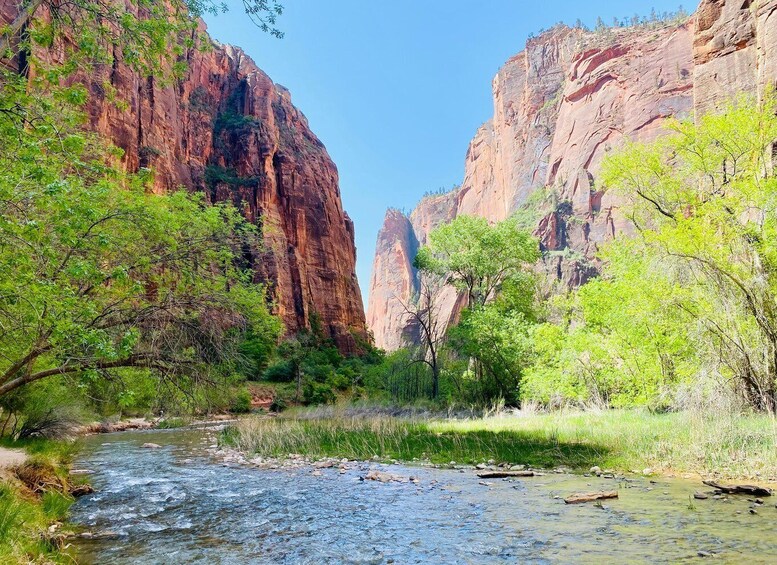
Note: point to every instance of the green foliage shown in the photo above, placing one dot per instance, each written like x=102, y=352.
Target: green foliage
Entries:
x=241, y=402
x=150, y=37
x=311, y=364
x=233, y=122
x=44, y=409
x=476, y=257
x=55, y=505
x=689, y=301
x=490, y=264
x=282, y=371
x=318, y=393
x=215, y=175
x=499, y=340
x=97, y=276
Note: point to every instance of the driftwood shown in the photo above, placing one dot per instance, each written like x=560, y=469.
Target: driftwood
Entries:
x=740, y=489
x=579, y=497
x=504, y=474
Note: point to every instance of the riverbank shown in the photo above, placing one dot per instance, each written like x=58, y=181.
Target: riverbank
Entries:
x=36, y=492
x=725, y=446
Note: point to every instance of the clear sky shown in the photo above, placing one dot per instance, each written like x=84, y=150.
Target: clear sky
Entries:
x=396, y=89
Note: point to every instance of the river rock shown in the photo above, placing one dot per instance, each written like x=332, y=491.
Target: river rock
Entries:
x=150, y=446
x=325, y=464
x=700, y=496
x=595, y=470
x=81, y=490
x=381, y=477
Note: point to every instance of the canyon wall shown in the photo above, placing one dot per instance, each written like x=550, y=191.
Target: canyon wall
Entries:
x=559, y=107
x=227, y=130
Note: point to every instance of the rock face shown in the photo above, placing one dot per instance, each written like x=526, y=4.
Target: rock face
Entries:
x=734, y=50
x=226, y=129
x=559, y=107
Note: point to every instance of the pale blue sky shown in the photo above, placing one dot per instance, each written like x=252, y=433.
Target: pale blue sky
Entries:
x=396, y=89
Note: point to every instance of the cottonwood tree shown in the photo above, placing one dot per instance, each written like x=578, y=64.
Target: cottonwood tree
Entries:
x=476, y=257
x=481, y=260
x=704, y=201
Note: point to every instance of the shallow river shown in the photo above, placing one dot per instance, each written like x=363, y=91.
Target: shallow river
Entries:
x=180, y=504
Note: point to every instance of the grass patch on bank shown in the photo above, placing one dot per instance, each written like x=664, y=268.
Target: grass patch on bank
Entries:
x=33, y=496
x=729, y=446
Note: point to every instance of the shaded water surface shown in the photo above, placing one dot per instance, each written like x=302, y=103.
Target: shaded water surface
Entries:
x=179, y=504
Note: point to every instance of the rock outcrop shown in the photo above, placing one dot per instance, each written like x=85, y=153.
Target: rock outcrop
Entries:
x=226, y=129
x=559, y=106
x=734, y=50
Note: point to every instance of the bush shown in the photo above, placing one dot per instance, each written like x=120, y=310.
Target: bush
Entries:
x=279, y=404
x=241, y=403
x=280, y=372
x=317, y=393
x=46, y=409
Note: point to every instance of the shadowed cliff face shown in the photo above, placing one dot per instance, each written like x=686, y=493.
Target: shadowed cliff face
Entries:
x=228, y=130
x=559, y=107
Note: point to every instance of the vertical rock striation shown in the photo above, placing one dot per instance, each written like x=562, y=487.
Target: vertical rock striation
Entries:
x=734, y=50
x=226, y=129
x=559, y=106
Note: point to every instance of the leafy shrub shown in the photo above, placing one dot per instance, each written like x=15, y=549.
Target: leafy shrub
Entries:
x=280, y=372
x=241, y=403
x=279, y=404
x=317, y=393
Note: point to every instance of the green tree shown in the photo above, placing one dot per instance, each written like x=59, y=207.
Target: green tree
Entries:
x=97, y=275
x=694, y=293
x=489, y=264
x=477, y=258
x=146, y=34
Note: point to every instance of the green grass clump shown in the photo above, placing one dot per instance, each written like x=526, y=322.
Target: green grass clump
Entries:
x=34, y=495
x=731, y=446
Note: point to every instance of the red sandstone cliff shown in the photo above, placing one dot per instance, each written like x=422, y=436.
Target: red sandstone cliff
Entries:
x=559, y=106
x=228, y=130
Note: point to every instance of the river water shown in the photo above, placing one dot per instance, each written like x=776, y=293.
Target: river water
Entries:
x=181, y=504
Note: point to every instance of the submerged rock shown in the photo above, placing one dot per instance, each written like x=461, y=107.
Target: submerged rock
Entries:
x=381, y=477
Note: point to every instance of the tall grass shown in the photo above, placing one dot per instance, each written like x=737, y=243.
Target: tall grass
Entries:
x=10, y=514
x=727, y=445
x=33, y=495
